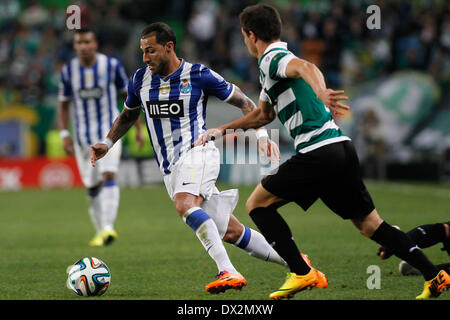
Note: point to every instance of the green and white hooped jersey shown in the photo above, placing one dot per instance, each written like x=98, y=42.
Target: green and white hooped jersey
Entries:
x=309, y=122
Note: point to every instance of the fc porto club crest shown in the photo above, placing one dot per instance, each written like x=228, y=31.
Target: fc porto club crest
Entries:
x=185, y=86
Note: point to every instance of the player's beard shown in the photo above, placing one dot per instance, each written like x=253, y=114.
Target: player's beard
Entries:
x=163, y=68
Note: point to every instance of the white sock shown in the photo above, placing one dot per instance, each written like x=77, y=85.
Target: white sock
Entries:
x=95, y=211
x=95, y=207
x=207, y=233
x=110, y=196
x=256, y=245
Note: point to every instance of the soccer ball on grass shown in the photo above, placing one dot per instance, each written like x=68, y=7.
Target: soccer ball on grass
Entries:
x=89, y=276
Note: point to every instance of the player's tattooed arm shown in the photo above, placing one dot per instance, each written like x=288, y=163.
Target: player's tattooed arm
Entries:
x=63, y=123
x=240, y=100
x=139, y=136
x=123, y=122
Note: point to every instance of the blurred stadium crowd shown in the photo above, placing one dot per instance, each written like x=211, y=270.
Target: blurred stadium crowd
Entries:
x=34, y=43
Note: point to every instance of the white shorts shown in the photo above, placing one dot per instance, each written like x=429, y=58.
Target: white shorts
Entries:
x=196, y=172
x=219, y=207
x=92, y=176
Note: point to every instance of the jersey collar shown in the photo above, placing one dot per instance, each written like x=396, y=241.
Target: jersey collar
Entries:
x=176, y=72
x=279, y=45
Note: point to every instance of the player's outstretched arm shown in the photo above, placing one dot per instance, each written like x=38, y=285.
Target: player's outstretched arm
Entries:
x=299, y=68
x=139, y=136
x=124, y=121
x=240, y=100
x=265, y=146
x=63, y=123
x=255, y=119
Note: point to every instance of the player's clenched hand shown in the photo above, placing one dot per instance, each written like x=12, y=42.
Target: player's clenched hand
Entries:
x=331, y=99
x=268, y=148
x=383, y=253
x=98, y=151
x=210, y=134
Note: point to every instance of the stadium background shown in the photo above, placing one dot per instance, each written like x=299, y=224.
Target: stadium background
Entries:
x=397, y=78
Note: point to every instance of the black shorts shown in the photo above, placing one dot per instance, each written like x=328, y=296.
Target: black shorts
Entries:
x=330, y=173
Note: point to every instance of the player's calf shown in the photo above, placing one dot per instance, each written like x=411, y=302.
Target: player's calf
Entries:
x=235, y=230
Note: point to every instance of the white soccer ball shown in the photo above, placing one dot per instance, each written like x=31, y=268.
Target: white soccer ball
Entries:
x=88, y=277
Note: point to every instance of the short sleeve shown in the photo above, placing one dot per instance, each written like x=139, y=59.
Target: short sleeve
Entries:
x=263, y=96
x=133, y=101
x=120, y=77
x=214, y=84
x=278, y=64
x=64, y=86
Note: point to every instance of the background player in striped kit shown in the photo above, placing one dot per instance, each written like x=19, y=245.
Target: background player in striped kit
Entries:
x=174, y=94
x=92, y=81
x=326, y=165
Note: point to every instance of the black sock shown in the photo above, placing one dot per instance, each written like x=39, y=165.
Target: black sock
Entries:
x=404, y=248
x=279, y=236
x=446, y=241
x=427, y=235
x=445, y=267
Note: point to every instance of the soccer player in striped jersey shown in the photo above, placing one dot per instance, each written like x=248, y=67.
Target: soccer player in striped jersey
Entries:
x=92, y=82
x=325, y=166
x=173, y=94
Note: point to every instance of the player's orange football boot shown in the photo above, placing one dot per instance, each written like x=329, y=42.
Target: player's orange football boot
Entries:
x=225, y=281
x=434, y=287
x=322, y=281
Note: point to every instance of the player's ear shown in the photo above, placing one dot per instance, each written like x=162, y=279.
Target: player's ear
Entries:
x=252, y=36
x=169, y=46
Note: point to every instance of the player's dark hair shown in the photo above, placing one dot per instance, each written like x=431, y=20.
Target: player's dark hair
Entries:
x=263, y=20
x=84, y=30
x=162, y=31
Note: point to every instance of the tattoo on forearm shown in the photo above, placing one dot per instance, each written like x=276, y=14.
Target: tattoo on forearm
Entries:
x=240, y=100
x=125, y=120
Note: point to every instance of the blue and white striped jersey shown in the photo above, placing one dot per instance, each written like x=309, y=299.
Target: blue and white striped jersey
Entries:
x=93, y=91
x=175, y=107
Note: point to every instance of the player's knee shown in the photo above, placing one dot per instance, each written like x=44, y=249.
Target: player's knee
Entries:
x=185, y=201
x=231, y=237
x=252, y=203
x=365, y=228
x=183, y=204
x=108, y=176
x=367, y=232
x=180, y=207
x=259, y=199
x=447, y=229
x=249, y=206
x=234, y=231
x=369, y=224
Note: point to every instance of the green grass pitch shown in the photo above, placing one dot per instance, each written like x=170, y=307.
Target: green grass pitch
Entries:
x=157, y=256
